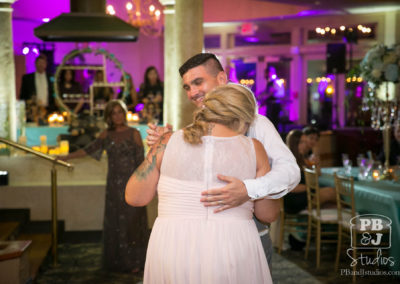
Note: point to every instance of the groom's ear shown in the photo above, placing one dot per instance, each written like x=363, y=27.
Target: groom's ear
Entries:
x=222, y=78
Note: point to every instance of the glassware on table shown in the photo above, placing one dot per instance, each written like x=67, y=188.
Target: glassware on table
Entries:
x=347, y=164
x=365, y=167
x=369, y=165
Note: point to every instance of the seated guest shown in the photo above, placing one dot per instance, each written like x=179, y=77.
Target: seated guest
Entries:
x=37, y=90
x=312, y=137
x=152, y=89
x=101, y=95
x=129, y=97
x=394, y=154
x=150, y=113
x=68, y=85
x=296, y=200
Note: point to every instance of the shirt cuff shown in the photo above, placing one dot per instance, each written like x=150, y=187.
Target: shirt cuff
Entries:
x=254, y=192
x=251, y=186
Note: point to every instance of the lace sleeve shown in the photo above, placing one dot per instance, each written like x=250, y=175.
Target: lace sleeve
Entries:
x=137, y=138
x=95, y=148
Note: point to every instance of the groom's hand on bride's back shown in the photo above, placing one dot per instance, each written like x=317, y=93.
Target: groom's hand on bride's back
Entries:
x=155, y=132
x=233, y=194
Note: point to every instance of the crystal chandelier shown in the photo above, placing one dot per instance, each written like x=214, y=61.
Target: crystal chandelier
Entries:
x=143, y=14
x=380, y=68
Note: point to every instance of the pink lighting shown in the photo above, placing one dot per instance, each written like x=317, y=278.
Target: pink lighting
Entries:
x=35, y=51
x=46, y=20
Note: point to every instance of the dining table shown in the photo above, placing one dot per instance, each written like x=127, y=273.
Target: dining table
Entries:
x=33, y=133
x=373, y=197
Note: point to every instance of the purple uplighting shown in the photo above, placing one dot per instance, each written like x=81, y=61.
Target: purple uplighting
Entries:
x=251, y=39
x=307, y=13
x=139, y=107
x=35, y=51
x=359, y=91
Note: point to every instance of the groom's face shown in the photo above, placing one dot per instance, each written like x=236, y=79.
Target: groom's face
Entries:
x=198, y=81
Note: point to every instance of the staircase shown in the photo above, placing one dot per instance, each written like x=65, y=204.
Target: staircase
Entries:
x=15, y=226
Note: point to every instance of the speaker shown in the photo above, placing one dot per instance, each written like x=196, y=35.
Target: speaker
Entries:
x=335, y=58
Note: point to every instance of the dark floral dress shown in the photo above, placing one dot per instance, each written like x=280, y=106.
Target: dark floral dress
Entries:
x=125, y=233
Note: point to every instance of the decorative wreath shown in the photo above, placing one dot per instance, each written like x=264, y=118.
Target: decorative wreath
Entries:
x=76, y=52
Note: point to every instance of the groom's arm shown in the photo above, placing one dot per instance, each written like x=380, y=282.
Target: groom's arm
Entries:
x=283, y=177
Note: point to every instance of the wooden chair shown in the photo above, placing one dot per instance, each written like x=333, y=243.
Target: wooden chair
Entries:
x=318, y=217
x=292, y=223
x=346, y=212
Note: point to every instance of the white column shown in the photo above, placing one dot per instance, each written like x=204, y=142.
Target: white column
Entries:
x=183, y=38
x=7, y=70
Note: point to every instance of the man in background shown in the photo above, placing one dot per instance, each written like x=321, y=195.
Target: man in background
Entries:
x=37, y=90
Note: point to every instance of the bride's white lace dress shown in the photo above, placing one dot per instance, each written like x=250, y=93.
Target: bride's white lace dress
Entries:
x=191, y=244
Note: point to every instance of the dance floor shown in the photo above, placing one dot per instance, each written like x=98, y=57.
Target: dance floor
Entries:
x=81, y=263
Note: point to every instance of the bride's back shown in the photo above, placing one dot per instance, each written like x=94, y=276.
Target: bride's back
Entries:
x=187, y=170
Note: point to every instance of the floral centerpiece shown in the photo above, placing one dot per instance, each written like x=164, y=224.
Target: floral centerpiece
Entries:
x=381, y=64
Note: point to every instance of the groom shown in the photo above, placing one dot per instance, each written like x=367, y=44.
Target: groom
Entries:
x=202, y=73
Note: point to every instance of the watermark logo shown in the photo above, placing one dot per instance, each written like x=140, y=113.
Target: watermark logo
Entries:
x=372, y=228
x=370, y=232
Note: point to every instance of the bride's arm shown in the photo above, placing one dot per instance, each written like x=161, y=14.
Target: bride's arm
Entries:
x=142, y=185
x=266, y=210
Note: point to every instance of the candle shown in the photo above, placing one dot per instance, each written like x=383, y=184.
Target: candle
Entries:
x=44, y=149
x=129, y=116
x=64, y=147
x=43, y=140
x=376, y=174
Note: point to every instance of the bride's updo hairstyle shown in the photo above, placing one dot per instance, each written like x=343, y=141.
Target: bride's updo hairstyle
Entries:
x=232, y=105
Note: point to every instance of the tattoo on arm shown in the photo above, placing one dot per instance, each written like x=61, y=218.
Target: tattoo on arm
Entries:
x=147, y=166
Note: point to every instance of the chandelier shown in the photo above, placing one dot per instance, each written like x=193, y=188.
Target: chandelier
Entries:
x=143, y=14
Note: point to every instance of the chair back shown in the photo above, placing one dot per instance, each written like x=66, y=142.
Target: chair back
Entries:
x=345, y=197
x=312, y=186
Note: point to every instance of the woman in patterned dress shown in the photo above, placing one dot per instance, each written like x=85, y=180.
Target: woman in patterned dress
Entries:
x=125, y=233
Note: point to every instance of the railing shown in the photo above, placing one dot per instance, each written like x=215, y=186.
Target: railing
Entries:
x=54, y=205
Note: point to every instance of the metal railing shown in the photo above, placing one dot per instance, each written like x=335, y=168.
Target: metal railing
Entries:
x=54, y=205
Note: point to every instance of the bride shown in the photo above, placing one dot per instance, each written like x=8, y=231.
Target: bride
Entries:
x=190, y=243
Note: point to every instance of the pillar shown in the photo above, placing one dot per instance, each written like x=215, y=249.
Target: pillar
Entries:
x=7, y=70
x=183, y=38
x=298, y=95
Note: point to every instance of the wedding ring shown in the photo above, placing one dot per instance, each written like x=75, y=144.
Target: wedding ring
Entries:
x=220, y=202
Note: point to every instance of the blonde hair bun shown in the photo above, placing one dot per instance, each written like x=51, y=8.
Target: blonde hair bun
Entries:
x=232, y=105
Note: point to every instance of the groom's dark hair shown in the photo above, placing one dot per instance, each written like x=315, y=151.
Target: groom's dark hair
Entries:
x=209, y=60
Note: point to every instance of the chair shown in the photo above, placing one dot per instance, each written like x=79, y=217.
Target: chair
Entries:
x=346, y=212
x=317, y=216
x=291, y=223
